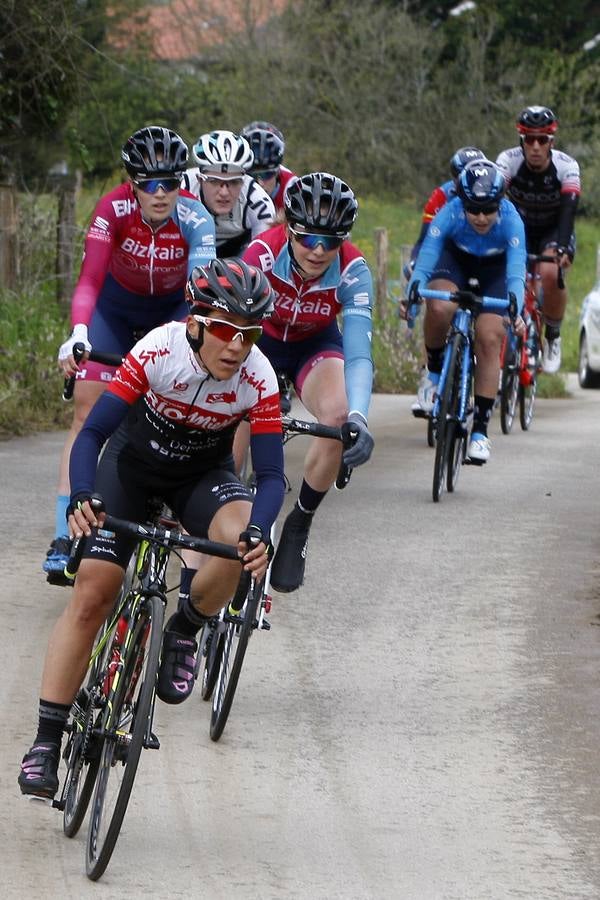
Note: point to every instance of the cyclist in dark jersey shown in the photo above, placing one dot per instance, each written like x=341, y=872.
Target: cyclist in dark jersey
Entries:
x=544, y=184
x=144, y=239
x=317, y=274
x=169, y=416
x=268, y=146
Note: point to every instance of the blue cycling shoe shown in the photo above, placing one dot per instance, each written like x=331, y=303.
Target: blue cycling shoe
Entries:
x=56, y=559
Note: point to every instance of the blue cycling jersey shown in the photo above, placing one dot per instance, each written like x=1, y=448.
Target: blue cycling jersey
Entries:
x=450, y=227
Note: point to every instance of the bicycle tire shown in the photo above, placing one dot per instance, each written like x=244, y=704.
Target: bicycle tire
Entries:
x=457, y=436
x=235, y=642
x=430, y=432
x=509, y=387
x=444, y=432
x=127, y=721
x=528, y=380
x=211, y=660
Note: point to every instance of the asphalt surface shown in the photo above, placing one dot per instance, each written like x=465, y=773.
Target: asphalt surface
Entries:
x=421, y=721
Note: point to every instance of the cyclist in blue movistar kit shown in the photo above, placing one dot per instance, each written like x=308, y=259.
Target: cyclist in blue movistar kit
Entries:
x=478, y=235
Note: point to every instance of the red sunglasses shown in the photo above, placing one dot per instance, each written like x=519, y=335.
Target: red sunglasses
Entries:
x=227, y=332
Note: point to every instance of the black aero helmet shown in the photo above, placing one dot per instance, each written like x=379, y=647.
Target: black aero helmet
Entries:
x=231, y=285
x=480, y=184
x=267, y=145
x=321, y=201
x=538, y=119
x=154, y=151
x=463, y=157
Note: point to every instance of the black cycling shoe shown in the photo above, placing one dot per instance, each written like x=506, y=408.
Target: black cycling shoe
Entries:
x=39, y=771
x=177, y=667
x=57, y=558
x=287, y=571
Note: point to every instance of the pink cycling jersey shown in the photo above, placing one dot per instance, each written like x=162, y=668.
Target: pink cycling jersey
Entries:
x=144, y=260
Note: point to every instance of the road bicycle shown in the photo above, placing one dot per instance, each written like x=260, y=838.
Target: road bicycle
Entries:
x=224, y=640
x=520, y=357
x=111, y=719
x=453, y=402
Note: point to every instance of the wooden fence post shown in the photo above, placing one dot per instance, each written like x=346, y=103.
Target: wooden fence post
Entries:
x=381, y=275
x=67, y=187
x=9, y=257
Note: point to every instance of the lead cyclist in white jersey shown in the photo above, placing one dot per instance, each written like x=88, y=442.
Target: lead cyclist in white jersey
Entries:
x=241, y=208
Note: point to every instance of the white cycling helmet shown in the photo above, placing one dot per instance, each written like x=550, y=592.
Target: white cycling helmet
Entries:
x=223, y=153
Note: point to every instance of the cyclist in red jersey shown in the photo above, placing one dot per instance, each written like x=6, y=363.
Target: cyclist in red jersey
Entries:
x=317, y=274
x=144, y=239
x=268, y=146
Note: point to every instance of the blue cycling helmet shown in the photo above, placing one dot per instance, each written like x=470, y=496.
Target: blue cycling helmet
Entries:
x=267, y=144
x=480, y=184
x=463, y=157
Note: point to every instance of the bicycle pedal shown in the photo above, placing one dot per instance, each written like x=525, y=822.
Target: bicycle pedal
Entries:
x=420, y=414
x=152, y=743
x=266, y=625
x=47, y=801
x=474, y=462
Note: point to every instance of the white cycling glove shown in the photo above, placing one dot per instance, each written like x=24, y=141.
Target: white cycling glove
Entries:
x=78, y=336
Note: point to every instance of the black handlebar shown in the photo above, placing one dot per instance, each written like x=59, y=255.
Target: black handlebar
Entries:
x=109, y=359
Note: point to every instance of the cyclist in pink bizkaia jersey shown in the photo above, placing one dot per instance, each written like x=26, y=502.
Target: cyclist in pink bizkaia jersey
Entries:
x=145, y=237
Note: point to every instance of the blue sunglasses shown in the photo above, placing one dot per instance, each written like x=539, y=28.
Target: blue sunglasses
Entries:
x=151, y=185
x=311, y=241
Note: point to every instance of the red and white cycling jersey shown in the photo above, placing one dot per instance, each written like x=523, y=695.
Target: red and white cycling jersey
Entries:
x=186, y=413
x=283, y=179
x=144, y=260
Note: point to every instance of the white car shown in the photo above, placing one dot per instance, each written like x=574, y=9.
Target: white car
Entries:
x=589, y=339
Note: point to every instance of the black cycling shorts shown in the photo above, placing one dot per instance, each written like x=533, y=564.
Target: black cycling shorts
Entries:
x=127, y=483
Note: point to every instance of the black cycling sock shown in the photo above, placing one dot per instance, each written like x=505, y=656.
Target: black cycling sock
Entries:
x=52, y=720
x=187, y=620
x=551, y=331
x=482, y=414
x=308, y=498
x=435, y=359
x=185, y=584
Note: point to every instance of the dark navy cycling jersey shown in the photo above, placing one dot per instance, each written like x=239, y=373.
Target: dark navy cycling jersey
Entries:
x=181, y=420
x=545, y=200
x=451, y=228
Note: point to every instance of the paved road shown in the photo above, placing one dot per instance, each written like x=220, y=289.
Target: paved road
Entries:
x=421, y=722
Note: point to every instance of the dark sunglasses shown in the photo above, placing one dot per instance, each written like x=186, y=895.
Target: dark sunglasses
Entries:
x=486, y=210
x=541, y=139
x=227, y=332
x=151, y=185
x=311, y=241
x=266, y=174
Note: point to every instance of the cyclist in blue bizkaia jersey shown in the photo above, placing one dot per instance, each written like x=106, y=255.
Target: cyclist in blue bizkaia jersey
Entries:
x=478, y=235
x=317, y=274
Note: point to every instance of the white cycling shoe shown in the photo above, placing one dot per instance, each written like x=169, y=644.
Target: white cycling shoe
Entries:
x=479, y=447
x=551, y=356
x=426, y=391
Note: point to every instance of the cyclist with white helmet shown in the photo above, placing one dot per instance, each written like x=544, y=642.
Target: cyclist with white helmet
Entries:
x=477, y=235
x=144, y=239
x=241, y=208
x=544, y=184
x=205, y=375
x=268, y=146
x=317, y=274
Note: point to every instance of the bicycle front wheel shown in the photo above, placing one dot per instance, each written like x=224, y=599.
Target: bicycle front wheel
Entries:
x=447, y=418
x=212, y=651
x=126, y=727
x=528, y=380
x=235, y=641
x=509, y=386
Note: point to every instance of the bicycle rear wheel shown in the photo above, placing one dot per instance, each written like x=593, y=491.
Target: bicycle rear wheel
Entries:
x=446, y=423
x=126, y=724
x=235, y=641
x=509, y=385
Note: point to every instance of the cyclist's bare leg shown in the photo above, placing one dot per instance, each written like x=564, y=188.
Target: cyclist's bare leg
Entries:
x=72, y=637
x=324, y=395
x=84, y=396
x=216, y=580
x=555, y=298
x=489, y=331
x=438, y=314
